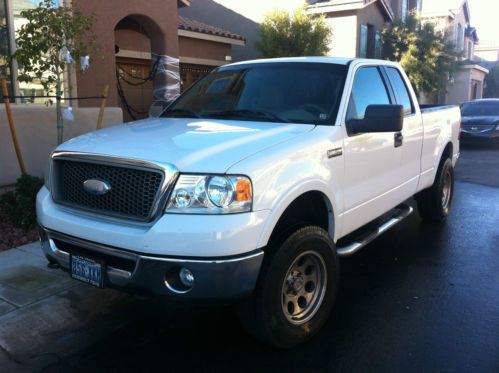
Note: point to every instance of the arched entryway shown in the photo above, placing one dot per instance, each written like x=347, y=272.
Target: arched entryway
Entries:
x=156, y=20
x=144, y=75
x=134, y=72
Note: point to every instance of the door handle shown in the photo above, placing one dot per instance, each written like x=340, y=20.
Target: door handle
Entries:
x=398, y=139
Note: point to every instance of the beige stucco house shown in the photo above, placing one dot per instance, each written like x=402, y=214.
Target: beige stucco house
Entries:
x=357, y=25
x=453, y=18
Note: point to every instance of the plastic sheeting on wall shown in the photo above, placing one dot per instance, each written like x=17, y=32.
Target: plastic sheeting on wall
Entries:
x=167, y=71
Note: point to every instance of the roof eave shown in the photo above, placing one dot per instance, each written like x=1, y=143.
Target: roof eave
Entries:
x=330, y=7
x=210, y=37
x=475, y=66
x=388, y=10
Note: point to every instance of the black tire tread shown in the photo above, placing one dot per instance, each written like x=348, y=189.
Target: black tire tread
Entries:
x=429, y=200
x=255, y=315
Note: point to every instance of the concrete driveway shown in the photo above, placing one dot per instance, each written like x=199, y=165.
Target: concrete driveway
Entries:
x=422, y=297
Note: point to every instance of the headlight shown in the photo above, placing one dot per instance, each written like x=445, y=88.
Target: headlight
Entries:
x=211, y=194
x=47, y=175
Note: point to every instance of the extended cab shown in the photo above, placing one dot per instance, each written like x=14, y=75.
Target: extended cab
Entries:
x=250, y=186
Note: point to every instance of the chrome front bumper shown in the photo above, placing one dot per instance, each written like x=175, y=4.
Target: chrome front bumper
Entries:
x=215, y=278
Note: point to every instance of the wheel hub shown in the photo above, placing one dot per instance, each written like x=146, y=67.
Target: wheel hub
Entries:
x=295, y=282
x=304, y=287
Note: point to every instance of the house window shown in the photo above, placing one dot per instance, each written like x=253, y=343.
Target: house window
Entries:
x=368, y=43
x=404, y=10
x=363, y=41
x=475, y=90
x=470, y=50
x=459, y=37
x=378, y=47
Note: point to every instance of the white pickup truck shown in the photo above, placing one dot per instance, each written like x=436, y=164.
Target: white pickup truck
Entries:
x=250, y=186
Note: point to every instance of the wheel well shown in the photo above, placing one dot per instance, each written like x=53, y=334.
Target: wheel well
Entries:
x=447, y=153
x=311, y=208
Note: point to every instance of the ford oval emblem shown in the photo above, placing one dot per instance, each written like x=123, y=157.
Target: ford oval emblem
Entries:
x=97, y=187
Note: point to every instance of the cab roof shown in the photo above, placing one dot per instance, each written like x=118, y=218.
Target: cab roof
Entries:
x=334, y=60
x=331, y=60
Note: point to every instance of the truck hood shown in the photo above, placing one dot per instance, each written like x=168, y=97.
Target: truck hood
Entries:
x=192, y=145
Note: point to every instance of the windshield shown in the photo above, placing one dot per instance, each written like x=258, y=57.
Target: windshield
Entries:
x=480, y=109
x=297, y=92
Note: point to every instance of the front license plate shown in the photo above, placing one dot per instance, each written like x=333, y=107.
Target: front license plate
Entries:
x=87, y=270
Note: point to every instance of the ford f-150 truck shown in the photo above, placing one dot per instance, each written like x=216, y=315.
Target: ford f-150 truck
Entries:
x=250, y=186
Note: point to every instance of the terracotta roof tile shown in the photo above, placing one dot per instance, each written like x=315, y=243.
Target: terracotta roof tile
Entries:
x=196, y=26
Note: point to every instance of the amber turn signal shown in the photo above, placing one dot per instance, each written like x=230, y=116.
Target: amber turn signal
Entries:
x=243, y=191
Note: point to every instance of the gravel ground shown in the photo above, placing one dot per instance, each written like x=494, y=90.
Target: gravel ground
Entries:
x=11, y=236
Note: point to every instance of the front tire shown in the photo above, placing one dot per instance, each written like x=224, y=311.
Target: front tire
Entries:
x=434, y=203
x=295, y=290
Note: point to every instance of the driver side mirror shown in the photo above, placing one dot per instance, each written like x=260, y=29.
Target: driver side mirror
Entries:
x=379, y=118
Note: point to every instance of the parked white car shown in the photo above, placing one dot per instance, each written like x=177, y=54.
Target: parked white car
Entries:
x=241, y=191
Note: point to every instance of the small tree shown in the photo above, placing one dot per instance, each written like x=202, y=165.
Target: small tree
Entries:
x=300, y=34
x=492, y=83
x=48, y=43
x=426, y=55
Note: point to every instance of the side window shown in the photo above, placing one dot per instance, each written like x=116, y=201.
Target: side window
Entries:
x=368, y=89
x=401, y=89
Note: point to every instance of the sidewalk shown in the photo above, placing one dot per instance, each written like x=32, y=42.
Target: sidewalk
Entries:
x=45, y=315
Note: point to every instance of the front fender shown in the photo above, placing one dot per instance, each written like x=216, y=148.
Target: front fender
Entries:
x=283, y=173
x=312, y=185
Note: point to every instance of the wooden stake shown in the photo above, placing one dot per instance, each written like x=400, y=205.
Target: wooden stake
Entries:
x=103, y=107
x=13, y=132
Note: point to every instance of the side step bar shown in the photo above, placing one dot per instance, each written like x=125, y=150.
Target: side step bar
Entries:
x=403, y=212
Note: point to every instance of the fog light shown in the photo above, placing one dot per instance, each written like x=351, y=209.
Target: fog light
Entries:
x=186, y=277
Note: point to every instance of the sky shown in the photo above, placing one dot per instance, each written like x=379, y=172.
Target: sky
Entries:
x=256, y=9
x=484, y=16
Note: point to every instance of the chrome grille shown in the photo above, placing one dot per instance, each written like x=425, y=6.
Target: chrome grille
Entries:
x=133, y=195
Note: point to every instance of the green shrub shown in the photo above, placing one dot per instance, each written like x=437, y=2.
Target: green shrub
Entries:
x=20, y=206
x=293, y=35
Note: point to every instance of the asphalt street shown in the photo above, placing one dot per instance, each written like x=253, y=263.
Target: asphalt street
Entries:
x=479, y=165
x=421, y=298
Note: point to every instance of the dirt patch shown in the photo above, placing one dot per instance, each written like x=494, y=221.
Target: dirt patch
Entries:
x=11, y=237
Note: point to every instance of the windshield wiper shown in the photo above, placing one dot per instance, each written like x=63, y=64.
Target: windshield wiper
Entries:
x=246, y=113
x=184, y=112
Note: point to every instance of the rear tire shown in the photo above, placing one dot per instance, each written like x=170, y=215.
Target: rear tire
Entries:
x=434, y=203
x=295, y=290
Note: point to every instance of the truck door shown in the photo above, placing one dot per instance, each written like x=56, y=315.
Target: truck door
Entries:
x=372, y=160
x=412, y=133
